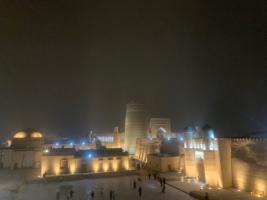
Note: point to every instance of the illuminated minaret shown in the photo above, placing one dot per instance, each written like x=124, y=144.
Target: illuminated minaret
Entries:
x=116, y=138
x=135, y=125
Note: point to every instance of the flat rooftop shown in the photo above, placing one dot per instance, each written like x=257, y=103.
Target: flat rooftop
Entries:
x=84, y=153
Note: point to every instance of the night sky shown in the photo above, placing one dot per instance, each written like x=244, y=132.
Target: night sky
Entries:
x=70, y=66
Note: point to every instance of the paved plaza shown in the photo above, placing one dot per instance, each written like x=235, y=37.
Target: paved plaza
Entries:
x=13, y=187
x=214, y=194
x=121, y=185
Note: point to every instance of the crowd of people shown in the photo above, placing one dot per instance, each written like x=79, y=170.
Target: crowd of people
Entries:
x=161, y=180
x=136, y=184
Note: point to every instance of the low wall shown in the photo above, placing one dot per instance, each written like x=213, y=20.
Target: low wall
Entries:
x=87, y=176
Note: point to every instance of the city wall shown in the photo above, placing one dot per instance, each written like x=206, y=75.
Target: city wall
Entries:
x=249, y=165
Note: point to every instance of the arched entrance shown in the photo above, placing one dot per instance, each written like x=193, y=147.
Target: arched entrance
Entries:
x=64, y=166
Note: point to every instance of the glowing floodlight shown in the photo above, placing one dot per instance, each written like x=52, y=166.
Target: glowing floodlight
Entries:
x=46, y=151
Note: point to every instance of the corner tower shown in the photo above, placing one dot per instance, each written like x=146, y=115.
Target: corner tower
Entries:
x=135, y=125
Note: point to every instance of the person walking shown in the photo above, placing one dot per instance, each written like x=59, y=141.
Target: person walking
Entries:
x=164, y=181
x=92, y=195
x=206, y=196
x=44, y=175
x=110, y=194
x=160, y=180
x=140, y=191
x=163, y=188
x=113, y=195
x=134, y=184
x=58, y=195
x=101, y=192
x=71, y=193
x=149, y=176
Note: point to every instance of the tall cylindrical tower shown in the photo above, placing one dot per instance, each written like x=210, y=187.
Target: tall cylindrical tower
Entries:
x=135, y=125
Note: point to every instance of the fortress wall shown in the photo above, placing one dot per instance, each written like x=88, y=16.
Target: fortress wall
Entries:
x=249, y=177
x=190, y=164
x=224, y=163
x=249, y=165
x=211, y=171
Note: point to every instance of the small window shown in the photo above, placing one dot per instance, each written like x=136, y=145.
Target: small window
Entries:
x=110, y=158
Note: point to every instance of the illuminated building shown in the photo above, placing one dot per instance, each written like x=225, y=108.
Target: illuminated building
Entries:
x=145, y=146
x=109, y=140
x=226, y=162
x=207, y=158
x=69, y=161
x=29, y=149
x=24, y=150
x=165, y=162
x=112, y=140
x=160, y=154
x=219, y=162
x=160, y=126
x=161, y=150
x=135, y=125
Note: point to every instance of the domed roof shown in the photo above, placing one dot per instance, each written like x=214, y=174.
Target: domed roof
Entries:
x=28, y=133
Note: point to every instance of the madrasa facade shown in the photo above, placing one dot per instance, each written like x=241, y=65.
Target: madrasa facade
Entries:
x=195, y=153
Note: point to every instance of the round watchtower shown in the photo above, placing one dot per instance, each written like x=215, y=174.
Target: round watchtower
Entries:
x=135, y=125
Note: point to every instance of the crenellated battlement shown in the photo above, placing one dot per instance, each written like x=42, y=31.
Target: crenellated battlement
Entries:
x=247, y=139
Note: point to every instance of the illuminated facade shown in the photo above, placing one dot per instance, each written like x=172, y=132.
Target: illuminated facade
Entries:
x=113, y=139
x=135, y=126
x=69, y=161
x=165, y=162
x=24, y=151
x=145, y=146
x=160, y=126
x=226, y=162
x=28, y=149
x=219, y=162
x=208, y=159
x=249, y=165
